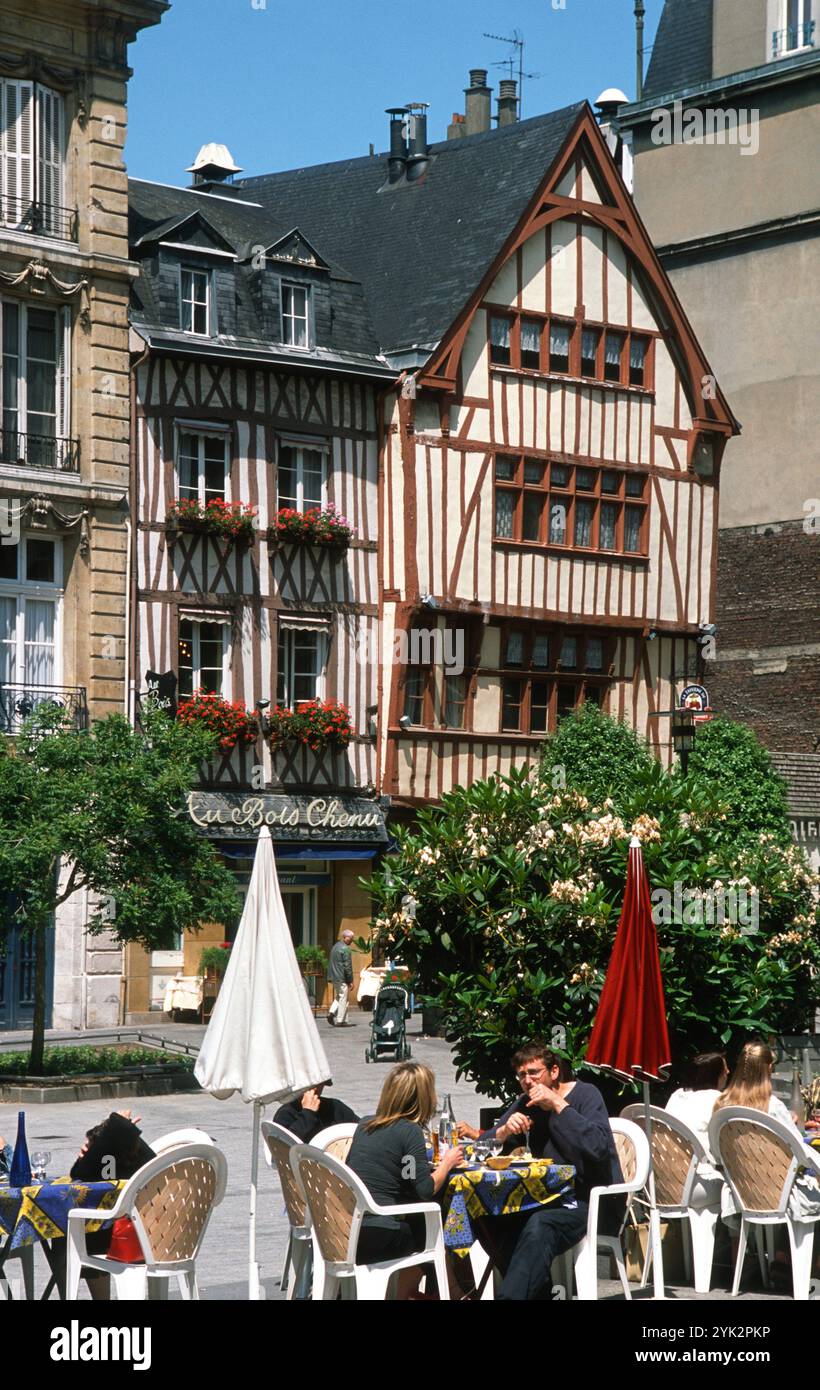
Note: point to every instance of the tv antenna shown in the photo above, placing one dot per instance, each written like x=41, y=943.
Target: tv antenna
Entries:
x=517, y=43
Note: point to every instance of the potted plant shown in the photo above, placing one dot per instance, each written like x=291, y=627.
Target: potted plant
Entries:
x=319, y=526
x=230, y=719
x=318, y=724
x=312, y=960
x=214, y=961
x=233, y=521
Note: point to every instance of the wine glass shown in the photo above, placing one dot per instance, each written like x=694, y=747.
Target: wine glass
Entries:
x=40, y=1160
x=482, y=1148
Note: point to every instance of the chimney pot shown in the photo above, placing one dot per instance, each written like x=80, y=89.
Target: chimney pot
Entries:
x=507, y=102
x=478, y=97
x=478, y=77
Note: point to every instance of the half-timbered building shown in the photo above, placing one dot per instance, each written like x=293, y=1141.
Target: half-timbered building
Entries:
x=550, y=452
x=255, y=378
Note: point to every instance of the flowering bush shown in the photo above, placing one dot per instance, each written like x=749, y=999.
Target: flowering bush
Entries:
x=229, y=719
x=518, y=887
x=234, y=520
x=317, y=724
x=318, y=526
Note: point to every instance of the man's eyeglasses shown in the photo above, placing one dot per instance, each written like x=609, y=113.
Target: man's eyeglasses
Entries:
x=531, y=1072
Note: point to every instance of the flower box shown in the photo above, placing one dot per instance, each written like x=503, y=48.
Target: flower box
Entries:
x=322, y=527
x=317, y=724
x=230, y=719
x=233, y=521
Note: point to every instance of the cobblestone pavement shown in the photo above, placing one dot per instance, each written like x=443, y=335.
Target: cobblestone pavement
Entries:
x=223, y=1263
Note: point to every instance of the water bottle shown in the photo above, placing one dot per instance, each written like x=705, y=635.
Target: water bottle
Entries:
x=449, y=1118
x=20, y=1171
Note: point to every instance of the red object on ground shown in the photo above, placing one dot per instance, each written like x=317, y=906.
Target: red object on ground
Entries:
x=125, y=1245
x=629, y=1036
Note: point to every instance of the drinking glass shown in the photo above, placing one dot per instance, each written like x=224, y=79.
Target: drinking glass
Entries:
x=40, y=1160
x=482, y=1149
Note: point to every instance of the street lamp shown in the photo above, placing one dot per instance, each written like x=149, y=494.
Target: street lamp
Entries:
x=683, y=735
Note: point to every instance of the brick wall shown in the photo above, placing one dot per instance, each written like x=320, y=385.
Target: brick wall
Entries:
x=767, y=667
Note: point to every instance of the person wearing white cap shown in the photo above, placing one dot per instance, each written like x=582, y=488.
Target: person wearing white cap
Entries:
x=340, y=974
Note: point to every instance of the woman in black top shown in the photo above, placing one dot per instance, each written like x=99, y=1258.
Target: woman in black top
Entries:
x=389, y=1154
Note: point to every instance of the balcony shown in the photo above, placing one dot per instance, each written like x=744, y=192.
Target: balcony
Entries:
x=794, y=39
x=40, y=451
x=38, y=219
x=19, y=702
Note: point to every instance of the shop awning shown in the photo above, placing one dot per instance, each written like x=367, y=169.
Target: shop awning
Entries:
x=239, y=849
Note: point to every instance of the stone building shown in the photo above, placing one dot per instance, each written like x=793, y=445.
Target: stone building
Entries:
x=65, y=280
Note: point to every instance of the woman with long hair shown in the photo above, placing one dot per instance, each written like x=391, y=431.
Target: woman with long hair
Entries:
x=695, y=1104
x=389, y=1154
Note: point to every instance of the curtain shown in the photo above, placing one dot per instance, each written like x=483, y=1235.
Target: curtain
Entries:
x=632, y=528
x=515, y=649
x=614, y=348
x=504, y=507
x=609, y=518
x=38, y=665
x=8, y=640
x=637, y=354
x=500, y=332
x=558, y=521
x=584, y=512
x=530, y=337
x=559, y=340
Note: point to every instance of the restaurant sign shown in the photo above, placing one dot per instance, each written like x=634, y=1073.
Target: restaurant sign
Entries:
x=302, y=819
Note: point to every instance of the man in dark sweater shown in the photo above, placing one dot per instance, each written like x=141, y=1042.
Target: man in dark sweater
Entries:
x=307, y=1115
x=567, y=1122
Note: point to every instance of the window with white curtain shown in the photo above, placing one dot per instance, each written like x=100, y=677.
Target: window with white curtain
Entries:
x=296, y=315
x=302, y=662
x=500, y=340
x=30, y=596
x=202, y=465
x=560, y=337
x=32, y=158
x=531, y=344
x=302, y=477
x=35, y=385
x=195, y=315
x=203, y=655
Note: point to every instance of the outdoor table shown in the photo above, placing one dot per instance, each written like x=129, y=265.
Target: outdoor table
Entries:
x=39, y=1214
x=475, y=1191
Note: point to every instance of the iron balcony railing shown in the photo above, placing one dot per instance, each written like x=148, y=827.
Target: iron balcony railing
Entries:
x=19, y=702
x=794, y=38
x=40, y=451
x=41, y=219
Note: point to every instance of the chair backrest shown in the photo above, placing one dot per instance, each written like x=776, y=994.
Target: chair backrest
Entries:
x=171, y=1198
x=759, y=1156
x=336, y=1140
x=278, y=1144
x=175, y=1137
x=676, y=1152
x=632, y=1148
x=337, y=1201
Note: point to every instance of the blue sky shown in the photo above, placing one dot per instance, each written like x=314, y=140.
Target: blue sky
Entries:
x=291, y=82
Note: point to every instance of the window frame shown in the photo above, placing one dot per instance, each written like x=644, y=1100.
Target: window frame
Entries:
x=576, y=328
x=20, y=589
x=197, y=621
x=284, y=317
x=287, y=677
x=807, y=24
x=300, y=448
x=188, y=268
x=61, y=379
x=36, y=173
x=201, y=433
x=554, y=674
x=519, y=489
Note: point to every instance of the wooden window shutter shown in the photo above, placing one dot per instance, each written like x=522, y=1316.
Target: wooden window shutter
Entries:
x=17, y=148
x=64, y=373
x=49, y=154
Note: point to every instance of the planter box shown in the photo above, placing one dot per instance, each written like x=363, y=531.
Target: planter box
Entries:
x=200, y=528
x=145, y=1081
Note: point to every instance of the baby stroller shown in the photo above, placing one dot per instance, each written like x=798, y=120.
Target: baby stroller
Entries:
x=388, y=1038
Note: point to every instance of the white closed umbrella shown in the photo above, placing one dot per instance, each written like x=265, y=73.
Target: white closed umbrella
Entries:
x=262, y=1039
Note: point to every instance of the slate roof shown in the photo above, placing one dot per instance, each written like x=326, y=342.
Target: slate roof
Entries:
x=802, y=774
x=418, y=250
x=682, y=53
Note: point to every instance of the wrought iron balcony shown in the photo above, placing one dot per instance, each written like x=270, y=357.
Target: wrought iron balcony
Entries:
x=40, y=451
x=793, y=39
x=40, y=219
x=19, y=702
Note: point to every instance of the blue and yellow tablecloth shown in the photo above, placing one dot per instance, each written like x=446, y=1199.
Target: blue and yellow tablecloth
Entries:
x=478, y=1191
x=31, y=1214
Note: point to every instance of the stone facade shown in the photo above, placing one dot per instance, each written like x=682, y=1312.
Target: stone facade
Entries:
x=64, y=262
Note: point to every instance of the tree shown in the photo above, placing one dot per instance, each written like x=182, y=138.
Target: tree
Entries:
x=504, y=902
x=728, y=756
x=597, y=755
x=105, y=810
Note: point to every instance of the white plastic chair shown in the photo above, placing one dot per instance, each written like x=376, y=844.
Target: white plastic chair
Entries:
x=299, y=1252
x=761, y=1157
x=336, y=1140
x=633, y=1153
x=169, y=1201
x=338, y=1202
x=676, y=1153
x=175, y=1137
x=25, y=1255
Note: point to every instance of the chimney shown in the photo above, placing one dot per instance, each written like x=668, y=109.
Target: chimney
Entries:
x=478, y=97
x=397, y=158
x=507, y=102
x=418, y=157
x=619, y=142
x=214, y=165
x=456, y=129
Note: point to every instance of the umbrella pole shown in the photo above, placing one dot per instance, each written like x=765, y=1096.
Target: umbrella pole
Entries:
x=254, y=1288
x=654, y=1218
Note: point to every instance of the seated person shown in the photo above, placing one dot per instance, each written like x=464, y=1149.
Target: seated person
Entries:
x=6, y=1155
x=467, y=1131
x=311, y=1112
x=389, y=1154
x=111, y=1151
x=567, y=1122
x=695, y=1104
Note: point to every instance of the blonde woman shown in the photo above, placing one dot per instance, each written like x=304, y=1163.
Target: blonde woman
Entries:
x=389, y=1154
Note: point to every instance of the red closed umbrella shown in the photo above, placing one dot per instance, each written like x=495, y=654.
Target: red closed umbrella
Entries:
x=629, y=1037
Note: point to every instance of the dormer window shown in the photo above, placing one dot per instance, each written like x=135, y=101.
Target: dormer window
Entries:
x=195, y=301
x=296, y=315
x=799, y=28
